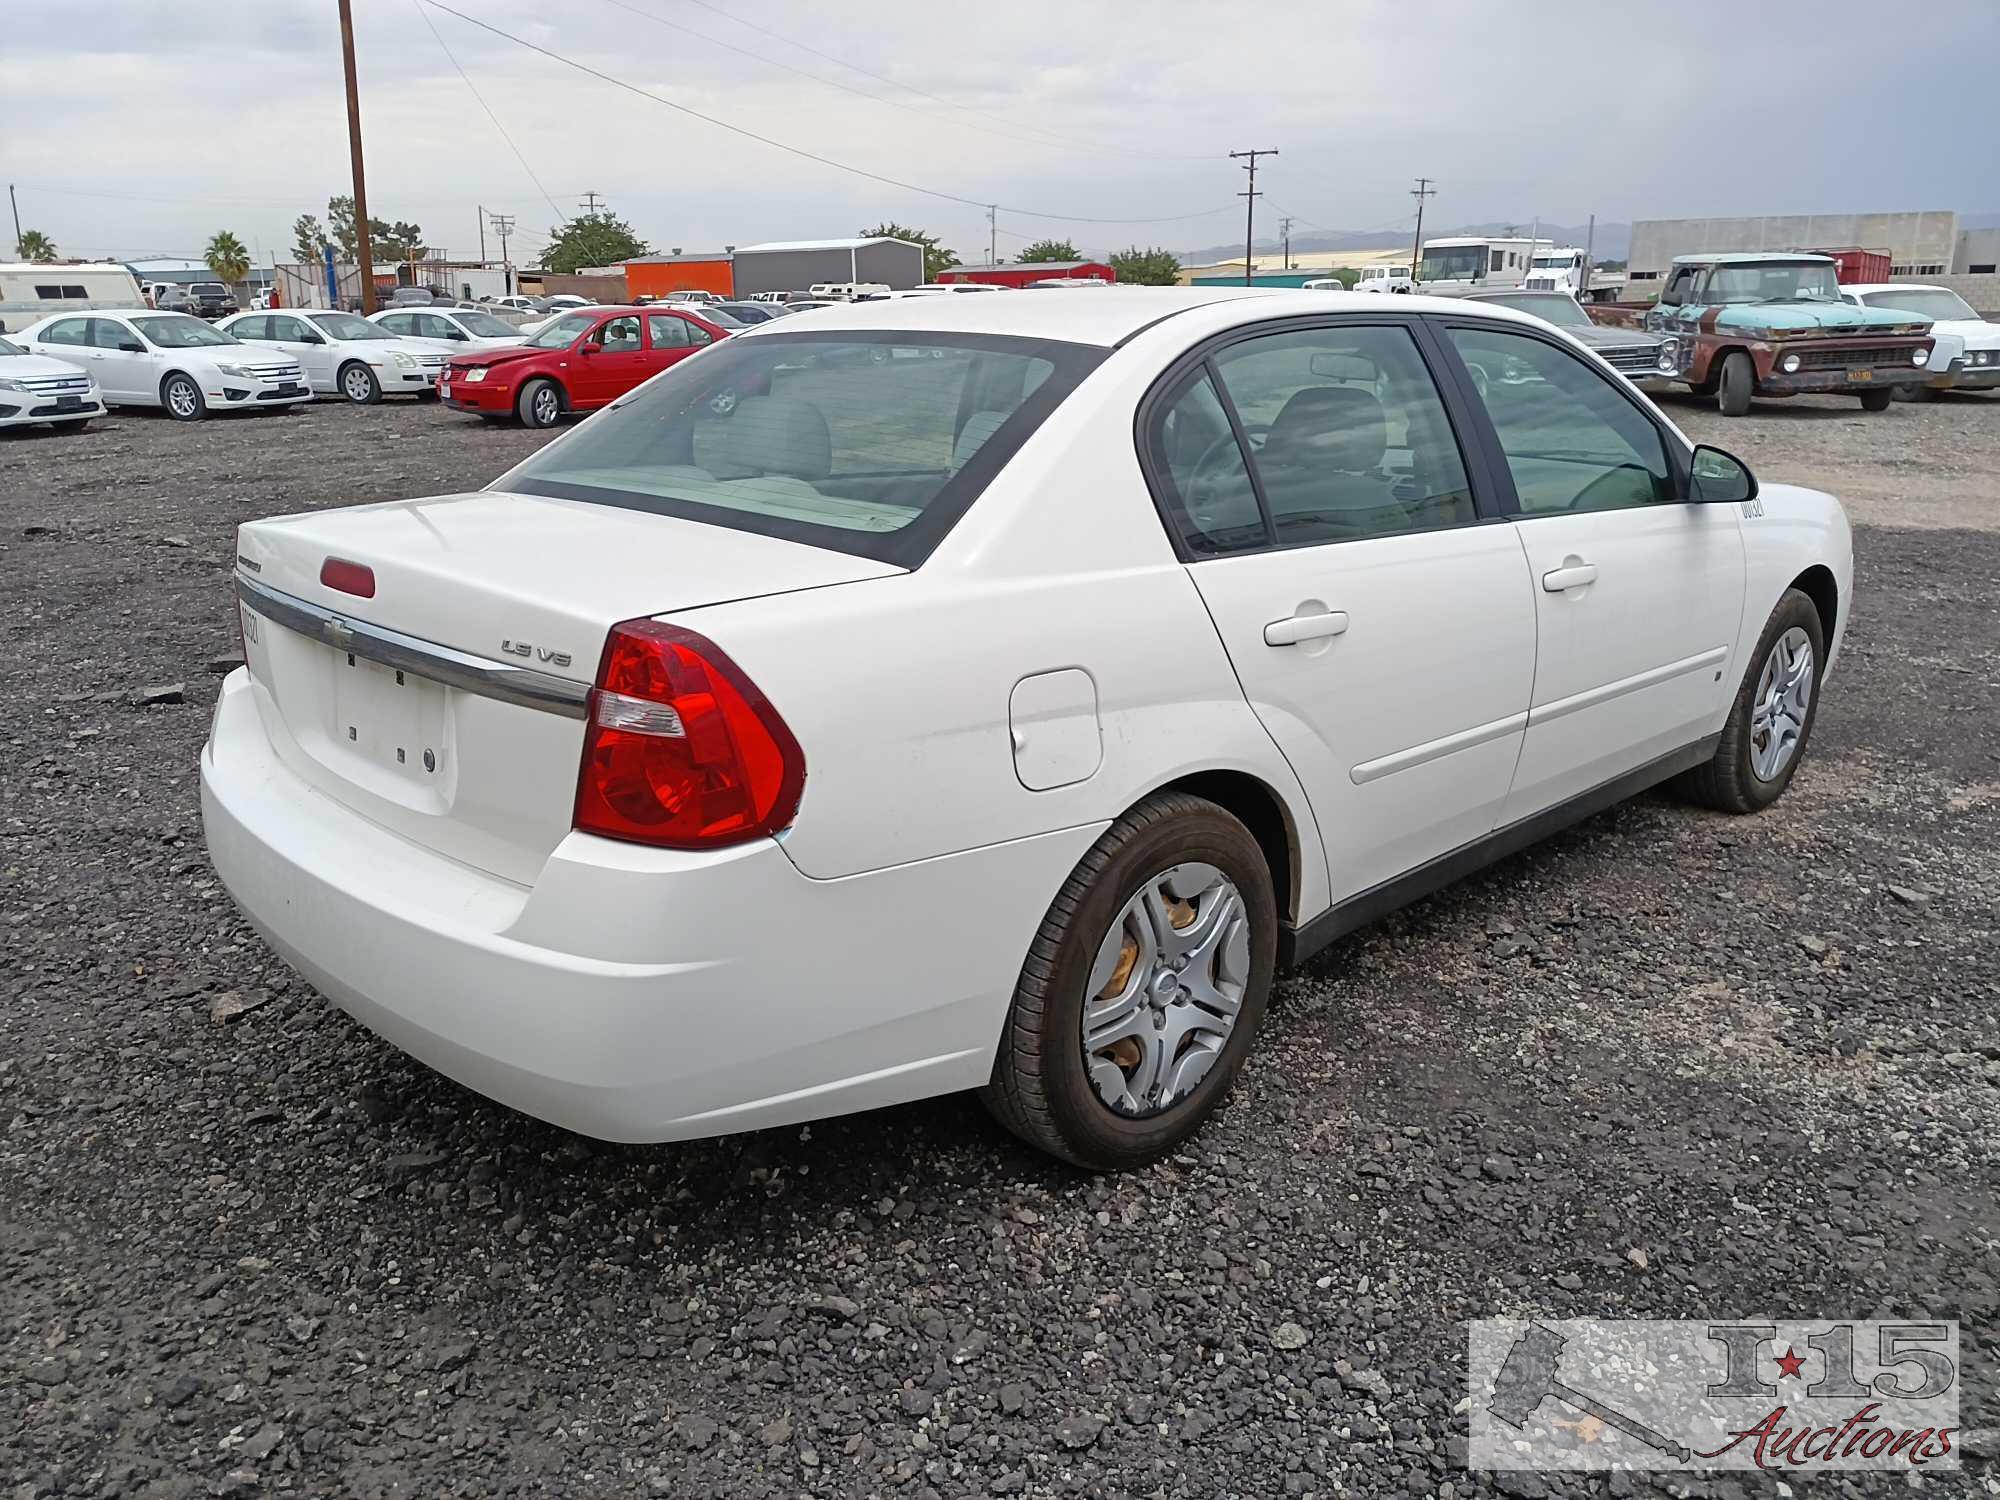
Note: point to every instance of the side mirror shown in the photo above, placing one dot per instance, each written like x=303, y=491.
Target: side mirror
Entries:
x=1720, y=478
x=131, y=346
x=312, y=338
x=590, y=349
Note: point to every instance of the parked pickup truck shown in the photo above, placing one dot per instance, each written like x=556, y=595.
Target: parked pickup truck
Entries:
x=1765, y=324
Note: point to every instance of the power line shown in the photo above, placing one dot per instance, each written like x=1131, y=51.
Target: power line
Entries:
x=1250, y=198
x=874, y=98
x=560, y=215
x=895, y=83
x=825, y=161
x=1421, y=191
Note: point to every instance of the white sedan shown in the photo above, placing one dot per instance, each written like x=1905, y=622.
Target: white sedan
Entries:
x=345, y=355
x=995, y=720
x=1965, y=348
x=170, y=360
x=466, y=329
x=37, y=390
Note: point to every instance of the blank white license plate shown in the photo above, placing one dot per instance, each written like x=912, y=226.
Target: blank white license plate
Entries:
x=389, y=718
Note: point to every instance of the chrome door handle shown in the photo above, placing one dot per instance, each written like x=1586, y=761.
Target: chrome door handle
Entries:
x=1570, y=576
x=1295, y=628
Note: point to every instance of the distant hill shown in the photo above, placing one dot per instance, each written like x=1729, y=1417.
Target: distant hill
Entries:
x=1611, y=241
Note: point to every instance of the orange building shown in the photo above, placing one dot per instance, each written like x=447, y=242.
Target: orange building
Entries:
x=656, y=275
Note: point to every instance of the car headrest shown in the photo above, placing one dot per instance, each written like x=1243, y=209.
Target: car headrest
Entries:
x=777, y=435
x=978, y=427
x=1338, y=426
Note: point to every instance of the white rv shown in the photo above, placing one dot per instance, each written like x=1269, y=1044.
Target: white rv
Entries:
x=1476, y=263
x=31, y=290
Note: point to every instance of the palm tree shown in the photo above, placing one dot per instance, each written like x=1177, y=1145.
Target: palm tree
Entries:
x=227, y=258
x=36, y=246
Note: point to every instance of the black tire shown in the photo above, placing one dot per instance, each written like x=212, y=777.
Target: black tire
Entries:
x=72, y=426
x=364, y=391
x=1915, y=393
x=533, y=406
x=1727, y=782
x=1737, y=384
x=1041, y=1088
x=181, y=398
x=1877, y=400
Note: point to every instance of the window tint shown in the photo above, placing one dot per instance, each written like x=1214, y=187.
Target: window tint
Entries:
x=1348, y=433
x=667, y=331
x=431, y=326
x=105, y=334
x=67, y=331
x=284, y=328
x=1573, y=440
x=697, y=335
x=620, y=335
x=1211, y=503
x=849, y=442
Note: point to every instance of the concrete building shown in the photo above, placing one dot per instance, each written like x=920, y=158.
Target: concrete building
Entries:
x=794, y=265
x=1918, y=244
x=1978, y=253
x=1306, y=265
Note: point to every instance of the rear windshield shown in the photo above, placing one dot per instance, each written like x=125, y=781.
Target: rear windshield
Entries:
x=867, y=443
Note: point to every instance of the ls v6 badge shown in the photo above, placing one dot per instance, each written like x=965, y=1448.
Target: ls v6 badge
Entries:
x=522, y=648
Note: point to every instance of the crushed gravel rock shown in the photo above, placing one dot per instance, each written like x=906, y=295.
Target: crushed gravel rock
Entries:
x=1669, y=1064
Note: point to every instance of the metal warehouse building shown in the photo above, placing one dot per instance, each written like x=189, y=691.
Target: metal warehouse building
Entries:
x=794, y=265
x=1918, y=244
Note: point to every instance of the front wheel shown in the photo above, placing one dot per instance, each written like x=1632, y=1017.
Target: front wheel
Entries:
x=540, y=404
x=1877, y=400
x=1142, y=990
x=183, y=399
x=1765, y=736
x=1737, y=385
x=359, y=385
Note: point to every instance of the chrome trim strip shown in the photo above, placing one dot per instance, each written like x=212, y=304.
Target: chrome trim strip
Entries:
x=1431, y=750
x=1591, y=697
x=522, y=686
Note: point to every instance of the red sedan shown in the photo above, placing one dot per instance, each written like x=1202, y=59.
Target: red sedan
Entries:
x=577, y=362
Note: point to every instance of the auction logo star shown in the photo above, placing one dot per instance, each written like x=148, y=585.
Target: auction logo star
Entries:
x=1790, y=1361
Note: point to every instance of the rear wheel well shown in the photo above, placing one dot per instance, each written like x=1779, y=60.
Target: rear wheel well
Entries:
x=1262, y=811
x=1817, y=584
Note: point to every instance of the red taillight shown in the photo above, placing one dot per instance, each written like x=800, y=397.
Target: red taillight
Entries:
x=348, y=577
x=681, y=749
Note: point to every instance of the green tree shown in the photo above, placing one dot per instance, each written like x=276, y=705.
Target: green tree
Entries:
x=386, y=241
x=36, y=246
x=936, y=257
x=1050, y=250
x=307, y=237
x=1148, y=267
x=227, y=257
x=599, y=239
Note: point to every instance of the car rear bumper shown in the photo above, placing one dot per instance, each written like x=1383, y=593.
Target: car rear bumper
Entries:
x=633, y=994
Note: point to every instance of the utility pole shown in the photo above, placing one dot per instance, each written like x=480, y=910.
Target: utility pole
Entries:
x=992, y=236
x=14, y=204
x=1589, y=249
x=363, y=252
x=481, y=209
x=1285, y=227
x=590, y=203
x=1250, y=197
x=1421, y=191
x=503, y=225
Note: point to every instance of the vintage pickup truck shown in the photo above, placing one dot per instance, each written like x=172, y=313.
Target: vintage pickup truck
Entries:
x=1774, y=324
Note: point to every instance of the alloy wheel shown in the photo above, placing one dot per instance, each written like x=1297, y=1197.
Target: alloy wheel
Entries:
x=1165, y=989
x=182, y=399
x=547, y=406
x=1779, y=708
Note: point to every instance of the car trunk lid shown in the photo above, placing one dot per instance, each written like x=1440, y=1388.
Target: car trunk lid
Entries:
x=447, y=706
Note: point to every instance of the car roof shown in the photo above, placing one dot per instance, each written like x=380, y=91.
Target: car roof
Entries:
x=1891, y=286
x=1104, y=316
x=1754, y=258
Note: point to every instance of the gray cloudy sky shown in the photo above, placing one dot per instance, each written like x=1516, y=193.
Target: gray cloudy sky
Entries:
x=180, y=119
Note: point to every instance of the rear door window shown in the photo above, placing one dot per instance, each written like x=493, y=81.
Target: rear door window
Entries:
x=861, y=442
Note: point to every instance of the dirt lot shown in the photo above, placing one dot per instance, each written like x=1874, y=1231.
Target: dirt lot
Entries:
x=1670, y=1064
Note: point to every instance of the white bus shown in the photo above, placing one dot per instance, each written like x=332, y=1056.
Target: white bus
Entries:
x=1468, y=264
x=30, y=290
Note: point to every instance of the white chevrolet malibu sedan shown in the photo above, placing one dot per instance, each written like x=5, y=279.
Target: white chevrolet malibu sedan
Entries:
x=815, y=728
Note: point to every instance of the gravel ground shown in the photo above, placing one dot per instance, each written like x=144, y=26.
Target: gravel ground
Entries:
x=1670, y=1064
